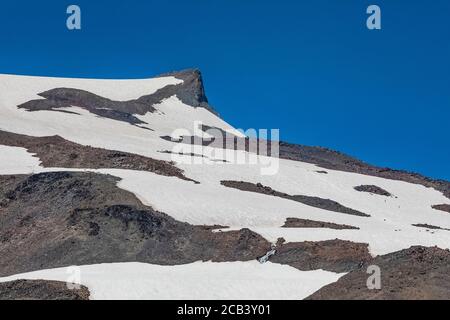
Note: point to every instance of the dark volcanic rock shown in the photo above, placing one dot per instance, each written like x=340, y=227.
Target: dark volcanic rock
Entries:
x=414, y=273
x=60, y=219
x=332, y=255
x=373, y=189
x=316, y=202
x=55, y=151
x=306, y=223
x=442, y=207
x=41, y=290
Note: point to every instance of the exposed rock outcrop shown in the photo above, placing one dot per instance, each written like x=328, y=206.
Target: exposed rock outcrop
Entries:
x=414, y=273
x=331, y=255
x=442, y=207
x=325, y=204
x=41, y=290
x=373, y=189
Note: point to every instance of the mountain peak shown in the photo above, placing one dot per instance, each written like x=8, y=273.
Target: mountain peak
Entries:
x=192, y=90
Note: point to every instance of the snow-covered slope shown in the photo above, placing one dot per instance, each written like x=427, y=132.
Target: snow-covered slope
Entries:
x=89, y=129
x=389, y=228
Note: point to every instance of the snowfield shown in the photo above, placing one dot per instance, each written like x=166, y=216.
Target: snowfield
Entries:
x=197, y=281
x=388, y=229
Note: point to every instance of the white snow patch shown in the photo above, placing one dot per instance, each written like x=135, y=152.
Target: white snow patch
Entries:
x=195, y=281
x=14, y=160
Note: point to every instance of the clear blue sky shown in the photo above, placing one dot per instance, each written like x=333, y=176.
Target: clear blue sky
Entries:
x=310, y=68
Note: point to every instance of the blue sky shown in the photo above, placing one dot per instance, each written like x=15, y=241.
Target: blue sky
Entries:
x=308, y=67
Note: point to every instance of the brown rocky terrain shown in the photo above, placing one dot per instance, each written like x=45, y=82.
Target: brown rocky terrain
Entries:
x=332, y=255
x=316, y=202
x=55, y=151
x=41, y=290
x=414, y=273
x=58, y=219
